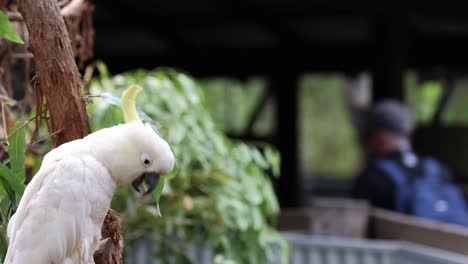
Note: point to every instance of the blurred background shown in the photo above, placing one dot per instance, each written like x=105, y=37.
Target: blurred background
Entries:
x=230, y=82
x=300, y=75
x=297, y=73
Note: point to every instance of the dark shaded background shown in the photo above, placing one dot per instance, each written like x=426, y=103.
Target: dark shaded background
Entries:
x=283, y=39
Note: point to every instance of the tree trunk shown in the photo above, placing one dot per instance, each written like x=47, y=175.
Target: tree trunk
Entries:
x=58, y=85
x=58, y=77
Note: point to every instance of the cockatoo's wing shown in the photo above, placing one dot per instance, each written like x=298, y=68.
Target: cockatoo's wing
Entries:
x=55, y=222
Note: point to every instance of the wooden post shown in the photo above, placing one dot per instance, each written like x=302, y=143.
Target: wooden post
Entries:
x=58, y=85
x=288, y=184
x=390, y=48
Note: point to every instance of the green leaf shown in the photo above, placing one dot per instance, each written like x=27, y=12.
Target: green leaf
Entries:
x=159, y=188
x=111, y=116
x=111, y=99
x=258, y=158
x=102, y=69
x=7, y=31
x=158, y=191
x=7, y=196
x=175, y=171
x=114, y=100
x=11, y=180
x=17, y=150
x=274, y=158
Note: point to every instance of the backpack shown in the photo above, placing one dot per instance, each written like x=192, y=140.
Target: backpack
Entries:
x=429, y=195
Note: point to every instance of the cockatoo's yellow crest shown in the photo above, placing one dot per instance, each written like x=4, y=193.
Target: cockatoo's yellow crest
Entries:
x=129, y=104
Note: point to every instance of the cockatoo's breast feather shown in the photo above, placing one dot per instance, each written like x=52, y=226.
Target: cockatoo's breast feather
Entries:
x=61, y=211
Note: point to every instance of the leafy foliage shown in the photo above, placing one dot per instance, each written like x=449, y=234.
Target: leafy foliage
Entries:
x=232, y=103
x=12, y=181
x=327, y=137
x=7, y=31
x=328, y=143
x=222, y=196
x=422, y=99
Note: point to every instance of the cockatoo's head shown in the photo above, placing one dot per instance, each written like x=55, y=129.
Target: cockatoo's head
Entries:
x=132, y=152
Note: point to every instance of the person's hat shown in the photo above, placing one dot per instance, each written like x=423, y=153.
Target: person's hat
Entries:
x=390, y=115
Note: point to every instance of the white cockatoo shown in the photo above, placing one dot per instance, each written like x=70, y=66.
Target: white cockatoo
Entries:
x=59, y=218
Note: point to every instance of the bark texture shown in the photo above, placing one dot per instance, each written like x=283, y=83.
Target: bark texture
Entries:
x=111, y=228
x=58, y=87
x=57, y=79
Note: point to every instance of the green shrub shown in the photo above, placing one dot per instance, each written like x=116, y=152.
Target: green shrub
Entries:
x=222, y=196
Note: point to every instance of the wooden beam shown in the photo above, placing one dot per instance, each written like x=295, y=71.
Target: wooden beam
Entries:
x=244, y=62
x=390, y=51
x=288, y=185
x=216, y=12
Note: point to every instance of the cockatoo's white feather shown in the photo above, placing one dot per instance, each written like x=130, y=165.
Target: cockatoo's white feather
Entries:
x=61, y=212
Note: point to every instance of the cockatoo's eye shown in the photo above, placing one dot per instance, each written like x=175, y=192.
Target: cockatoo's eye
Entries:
x=146, y=160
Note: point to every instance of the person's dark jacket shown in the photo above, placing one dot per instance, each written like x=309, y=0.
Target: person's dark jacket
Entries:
x=376, y=186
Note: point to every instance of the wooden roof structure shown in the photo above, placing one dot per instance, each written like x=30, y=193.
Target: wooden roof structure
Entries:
x=282, y=39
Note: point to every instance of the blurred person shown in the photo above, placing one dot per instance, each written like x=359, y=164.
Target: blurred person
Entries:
x=396, y=178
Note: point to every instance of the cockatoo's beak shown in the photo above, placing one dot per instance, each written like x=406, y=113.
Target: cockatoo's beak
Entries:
x=151, y=180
